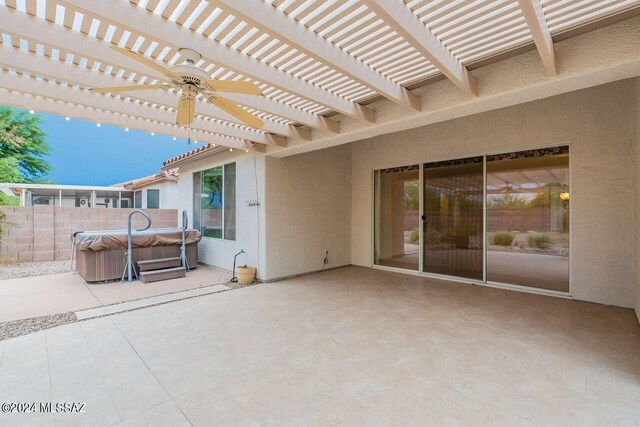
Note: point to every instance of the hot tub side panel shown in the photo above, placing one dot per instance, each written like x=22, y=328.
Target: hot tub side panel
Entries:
x=105, y=265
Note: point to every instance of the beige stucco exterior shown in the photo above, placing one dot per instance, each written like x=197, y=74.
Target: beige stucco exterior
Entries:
x=308, y=212
x=322, y=200
x=597, y=123
x=636, y=204
x=250, y=229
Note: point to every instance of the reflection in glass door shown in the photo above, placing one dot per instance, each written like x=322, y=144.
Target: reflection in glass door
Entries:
x=397, y=217
x=453, y=218
x=500, y=218
x=528, y=218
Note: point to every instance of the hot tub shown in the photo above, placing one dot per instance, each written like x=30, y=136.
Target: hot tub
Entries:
x=101, y=255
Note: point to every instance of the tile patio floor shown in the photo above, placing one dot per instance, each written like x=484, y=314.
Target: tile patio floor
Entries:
x=351, y=346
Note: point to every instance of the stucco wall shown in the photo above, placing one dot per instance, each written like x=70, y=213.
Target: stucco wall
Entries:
x=308, y=211
x=636, y=147
x=218, y=252
x=596, y=122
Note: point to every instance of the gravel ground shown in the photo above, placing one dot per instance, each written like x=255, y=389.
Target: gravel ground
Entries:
x=16, y=328
x=32, y=269
x=236, y=285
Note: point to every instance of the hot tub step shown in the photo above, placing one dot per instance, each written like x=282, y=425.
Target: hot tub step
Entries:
x=165, y=274
x=157, y=264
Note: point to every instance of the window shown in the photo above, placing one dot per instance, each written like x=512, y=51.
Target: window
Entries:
x=214, y=197
x=397, y=200
x=453, y=218
x=197, y=200
x=230, y=201
x=153, y=199
x=528, y=218
x=137, y=200
x=126, y=199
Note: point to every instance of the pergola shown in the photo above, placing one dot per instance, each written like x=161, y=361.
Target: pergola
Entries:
x=331, y=71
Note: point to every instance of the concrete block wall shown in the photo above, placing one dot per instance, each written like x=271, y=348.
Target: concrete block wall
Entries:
x=43, y=233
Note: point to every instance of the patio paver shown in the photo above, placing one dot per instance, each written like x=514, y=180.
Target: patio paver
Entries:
x=147, y=302
x=60, y=293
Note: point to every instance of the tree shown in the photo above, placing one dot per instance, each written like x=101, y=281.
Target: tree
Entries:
x=22, y=147
x=9, y=173
x=506, y=201
x=9, y=170
x=6, y=200
x=411, y=195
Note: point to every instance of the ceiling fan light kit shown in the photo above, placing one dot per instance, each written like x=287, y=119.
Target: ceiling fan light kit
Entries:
x=191, y=81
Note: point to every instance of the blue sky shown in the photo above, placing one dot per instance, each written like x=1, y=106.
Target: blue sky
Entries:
x=85, y=154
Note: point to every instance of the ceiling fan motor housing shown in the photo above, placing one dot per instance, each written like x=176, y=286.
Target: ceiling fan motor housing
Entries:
x=188, y=74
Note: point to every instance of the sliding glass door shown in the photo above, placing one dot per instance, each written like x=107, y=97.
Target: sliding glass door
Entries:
x=501, y=218
x=528, y=218
x=453, y=218
x=397, y=217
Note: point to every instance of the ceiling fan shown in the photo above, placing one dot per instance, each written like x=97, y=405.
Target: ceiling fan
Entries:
x=191, y=81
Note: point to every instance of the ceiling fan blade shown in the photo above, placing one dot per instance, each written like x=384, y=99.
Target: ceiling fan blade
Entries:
x=186, y=108
x=234, y=86
x=146, y=61
x=126, y=88
x=237, y=112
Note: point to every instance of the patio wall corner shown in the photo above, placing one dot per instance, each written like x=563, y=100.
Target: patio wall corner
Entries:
x=309, y=212
x=636, y=151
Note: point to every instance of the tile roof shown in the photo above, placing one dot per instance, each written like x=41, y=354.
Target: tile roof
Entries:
x=168, y=174
x=193, y=154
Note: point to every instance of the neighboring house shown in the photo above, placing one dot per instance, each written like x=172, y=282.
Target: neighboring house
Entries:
x=158, y=191
x=152, y=192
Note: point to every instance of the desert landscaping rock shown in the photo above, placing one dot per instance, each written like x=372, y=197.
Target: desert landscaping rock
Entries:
x=31, y=269
x=34, y=324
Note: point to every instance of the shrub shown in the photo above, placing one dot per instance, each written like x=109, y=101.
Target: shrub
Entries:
x=414, y=237
x=539, y=240
x=502, y=238
x=6, y=200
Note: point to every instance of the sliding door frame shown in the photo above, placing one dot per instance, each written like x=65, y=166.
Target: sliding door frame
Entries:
x=421, y=273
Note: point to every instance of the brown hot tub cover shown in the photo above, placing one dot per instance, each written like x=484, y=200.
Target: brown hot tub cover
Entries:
x=96, y=241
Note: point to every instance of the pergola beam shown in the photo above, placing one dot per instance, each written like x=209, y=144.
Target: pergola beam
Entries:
x=71, y=73
x=143, y=22
x=264, y=16
x=534, y=16
x=402, y=20
x=53, y=106
x=24, y=26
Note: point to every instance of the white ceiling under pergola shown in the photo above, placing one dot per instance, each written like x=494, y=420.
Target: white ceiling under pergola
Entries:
x=316, y=61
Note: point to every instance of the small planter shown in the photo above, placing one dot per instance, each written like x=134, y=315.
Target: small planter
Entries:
x=246, y=275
